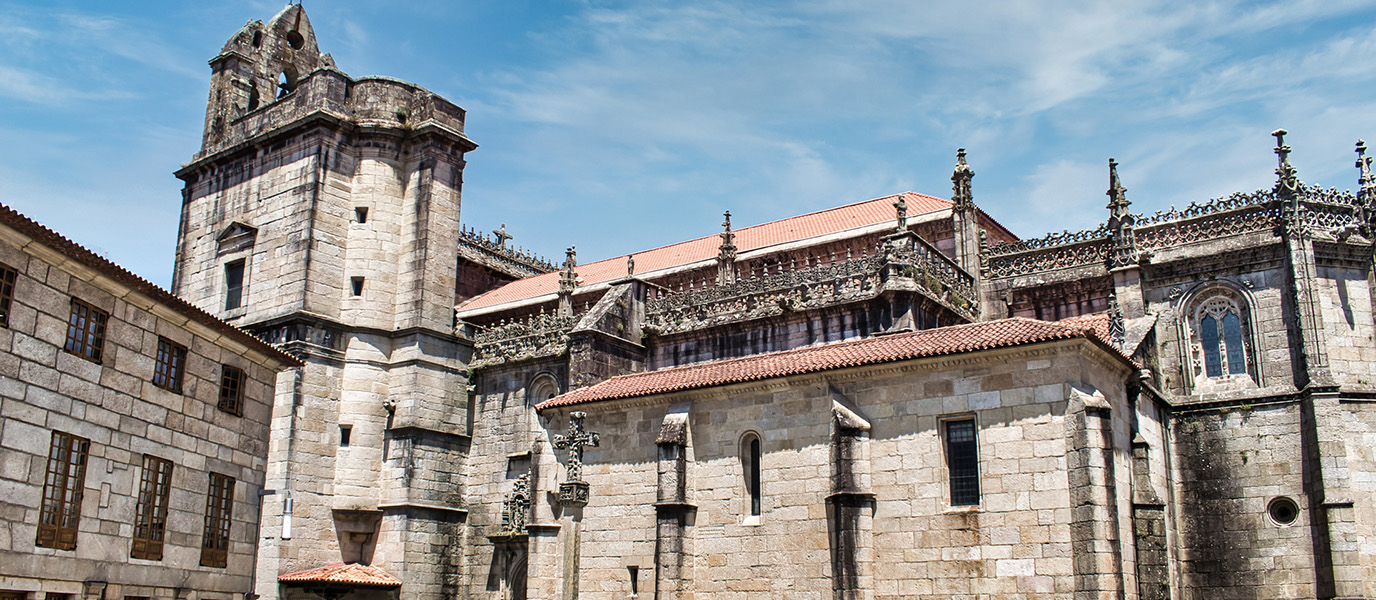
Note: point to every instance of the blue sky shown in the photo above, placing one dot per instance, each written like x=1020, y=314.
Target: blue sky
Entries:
x=620, y=126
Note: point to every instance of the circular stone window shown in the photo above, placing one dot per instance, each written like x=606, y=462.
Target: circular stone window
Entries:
x=295, y=39
x=1283, y=510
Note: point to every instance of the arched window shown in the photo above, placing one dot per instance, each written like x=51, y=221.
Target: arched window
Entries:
x=750, y=470
x=542, y=387
x=1219, y=338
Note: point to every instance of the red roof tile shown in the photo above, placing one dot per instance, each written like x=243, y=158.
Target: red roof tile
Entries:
x=344, y=573
x=956, y=339
x=758, y=236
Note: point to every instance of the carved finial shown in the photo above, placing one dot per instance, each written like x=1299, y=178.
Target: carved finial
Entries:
x=571, y=257
x=901, y=209
x=961, y=194
x=726, y=253
x=1286, y=182
x=1367, y=182
x=1117, y=194
x=630, y=264
x=502, y=236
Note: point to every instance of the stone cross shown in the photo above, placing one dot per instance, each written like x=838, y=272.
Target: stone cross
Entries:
x=574, y=442
x=502, y=236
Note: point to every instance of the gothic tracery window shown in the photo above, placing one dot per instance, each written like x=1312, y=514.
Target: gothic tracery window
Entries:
x=1220, y=341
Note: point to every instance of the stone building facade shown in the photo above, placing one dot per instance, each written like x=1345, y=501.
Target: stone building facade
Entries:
x=134, y=442
x=895, y=398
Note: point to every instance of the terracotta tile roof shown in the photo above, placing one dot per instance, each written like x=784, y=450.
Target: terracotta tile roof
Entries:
x=352, y=574
x=782, y=231
x=956, y=339
x=31, y=229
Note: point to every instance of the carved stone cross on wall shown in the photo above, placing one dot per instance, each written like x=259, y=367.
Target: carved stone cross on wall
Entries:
x=574, y=442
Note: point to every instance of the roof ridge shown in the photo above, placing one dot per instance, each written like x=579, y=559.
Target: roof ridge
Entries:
x=1023, y=330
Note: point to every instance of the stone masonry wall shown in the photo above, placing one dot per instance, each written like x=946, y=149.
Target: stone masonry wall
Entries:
x=1231, y=463
x=1016, y=543
x=113, y=404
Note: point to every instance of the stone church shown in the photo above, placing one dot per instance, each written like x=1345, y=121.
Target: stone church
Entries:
x=896, y=398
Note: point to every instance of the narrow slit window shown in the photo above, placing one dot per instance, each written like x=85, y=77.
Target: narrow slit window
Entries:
x=962, y=460
x=170, y=368
x=361, y=214
x=1208, y=337
x=232, y=382
x=150, y=518
x=234, y=284
x=357, y=284
x=7, y=277
x=750, y=461
x=86, y=331
x=219, y=506
x=345, y=434
x=60, y=513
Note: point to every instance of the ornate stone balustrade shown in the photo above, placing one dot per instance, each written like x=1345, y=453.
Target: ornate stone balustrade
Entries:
x=537, y=336
x=930, y=264
x=1319, y=208
x=522, y=263
x=812, y=287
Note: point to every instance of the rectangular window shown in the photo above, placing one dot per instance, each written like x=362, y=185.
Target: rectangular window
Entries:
x=7, y=277
x=62, y=490
x=150, y=518
x=86, y=331
x=357, y=283
x=361, y=214
x=345, y=432
x=13, y=595
x=232, y=382
x=962, y=460
x=219, y=506
x=170, y=366
x=234, y=284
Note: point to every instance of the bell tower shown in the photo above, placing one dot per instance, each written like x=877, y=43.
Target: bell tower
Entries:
x=322, y=214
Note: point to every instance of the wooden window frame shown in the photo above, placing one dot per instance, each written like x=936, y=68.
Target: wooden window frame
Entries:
x=169, y=368
x=219, y=510
x=64, y=485
x=150, y=518
x=232, y=383
x=86, y=331
x=7, y=278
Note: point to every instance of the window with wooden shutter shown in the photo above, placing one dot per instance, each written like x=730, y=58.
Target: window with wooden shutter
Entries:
x=150, y=518
x=63, y=487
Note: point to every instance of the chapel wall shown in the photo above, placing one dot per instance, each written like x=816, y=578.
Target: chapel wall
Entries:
x=1345, y=304
x=1230, y=465
x=1248, y=271
x=1017, y=543
x=505, y=427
